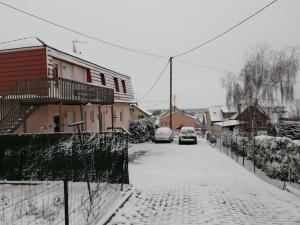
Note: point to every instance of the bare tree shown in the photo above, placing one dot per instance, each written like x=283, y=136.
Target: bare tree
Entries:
x=267, y=76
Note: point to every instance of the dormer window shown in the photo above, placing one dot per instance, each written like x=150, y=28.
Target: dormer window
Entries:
x=116, y=84
x=103, y=82
x=124, y=86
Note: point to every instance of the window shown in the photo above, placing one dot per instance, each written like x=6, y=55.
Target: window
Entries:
x=124, y=86
x=115, y=117
x=140, y=117
x=121, y=116
x=103, y=82
x=92, y=116
x=116, y=84
x=55, y=70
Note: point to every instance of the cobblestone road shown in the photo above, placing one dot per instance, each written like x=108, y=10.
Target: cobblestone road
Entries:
x=195, y=184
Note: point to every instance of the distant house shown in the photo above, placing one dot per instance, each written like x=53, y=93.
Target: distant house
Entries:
x=137, y=112
x=217, y=114
x=179, y=119
x=229, y=125
x=221, y=118
x=253, y=118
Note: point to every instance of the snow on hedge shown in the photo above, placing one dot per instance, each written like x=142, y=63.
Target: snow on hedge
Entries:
x=278, y=157
x=141, y=130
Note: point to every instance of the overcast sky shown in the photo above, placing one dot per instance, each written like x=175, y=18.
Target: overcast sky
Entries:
x=164, y=27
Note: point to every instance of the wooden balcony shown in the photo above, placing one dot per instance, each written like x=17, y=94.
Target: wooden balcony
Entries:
x=24, y=96
x=57, y=90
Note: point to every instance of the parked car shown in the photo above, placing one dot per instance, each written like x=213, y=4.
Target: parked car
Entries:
x=163, y=134
x=187, y=135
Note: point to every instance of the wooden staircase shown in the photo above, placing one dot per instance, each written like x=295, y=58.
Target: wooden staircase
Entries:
x=15, y=117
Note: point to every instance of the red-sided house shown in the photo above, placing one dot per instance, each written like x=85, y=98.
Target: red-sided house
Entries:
x=43, y=89
x=179, y=119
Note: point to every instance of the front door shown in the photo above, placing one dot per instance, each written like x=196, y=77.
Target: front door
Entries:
x=56, y=123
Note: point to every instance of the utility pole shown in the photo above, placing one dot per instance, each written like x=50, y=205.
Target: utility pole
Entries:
x=171, y=59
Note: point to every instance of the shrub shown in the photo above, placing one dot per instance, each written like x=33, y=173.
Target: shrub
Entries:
x=279, y=157
x=141, y=130
x=285, y=129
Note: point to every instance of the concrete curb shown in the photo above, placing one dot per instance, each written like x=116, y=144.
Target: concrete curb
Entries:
x=119, y=204
x=211, y=144
x=293, y=190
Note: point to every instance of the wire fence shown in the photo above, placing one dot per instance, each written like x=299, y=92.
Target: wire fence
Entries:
x=277, y=157
x=58, y=179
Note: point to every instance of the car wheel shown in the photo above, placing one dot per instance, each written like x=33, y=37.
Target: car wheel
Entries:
x=179, y=142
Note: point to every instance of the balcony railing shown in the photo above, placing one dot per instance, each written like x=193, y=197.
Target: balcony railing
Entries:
x=55, y=90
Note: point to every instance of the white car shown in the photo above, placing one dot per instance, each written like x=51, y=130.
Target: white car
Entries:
x=187, y=135
x=163, y=134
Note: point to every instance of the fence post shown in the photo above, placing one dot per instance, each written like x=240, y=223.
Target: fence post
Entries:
x=66, y=201
x=243, y=151
x=231, y=146
x=221, y=142
x=237, y=149
x=254, y=154
x=227, y=144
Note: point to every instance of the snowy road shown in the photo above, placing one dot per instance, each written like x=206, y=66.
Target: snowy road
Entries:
x=196, y=184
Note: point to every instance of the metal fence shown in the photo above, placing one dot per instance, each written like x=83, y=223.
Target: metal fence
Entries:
x=55, y=179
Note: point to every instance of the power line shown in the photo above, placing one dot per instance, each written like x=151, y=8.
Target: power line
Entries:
x=156, y=81
x=205, y=67
x=19, y=39
x=226, y=31
x=80, y=33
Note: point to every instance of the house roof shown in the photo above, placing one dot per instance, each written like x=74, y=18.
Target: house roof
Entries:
x=235, y=116
x=34, y=42
x=229, y=123
x=226, y=109
x=29, y=42
x=215, y=113
x=142, y=109
x=178, y=111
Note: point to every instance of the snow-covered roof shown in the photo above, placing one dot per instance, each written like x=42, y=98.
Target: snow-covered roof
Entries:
x=226, y=109
x=234, y=116
x=142, y=109
x=229, y=123
x=22, y=43
x=215, y=113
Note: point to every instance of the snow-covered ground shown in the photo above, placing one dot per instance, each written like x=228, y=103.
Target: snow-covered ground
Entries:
x=196, y=184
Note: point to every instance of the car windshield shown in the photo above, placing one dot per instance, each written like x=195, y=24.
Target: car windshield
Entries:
x=187, y=132
x=163, y=130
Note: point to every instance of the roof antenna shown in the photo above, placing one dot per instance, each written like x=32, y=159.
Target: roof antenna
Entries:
x=75, y=42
